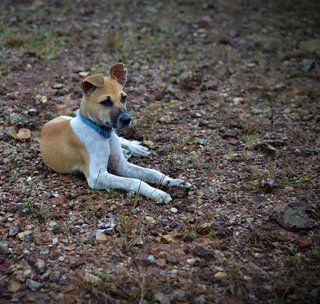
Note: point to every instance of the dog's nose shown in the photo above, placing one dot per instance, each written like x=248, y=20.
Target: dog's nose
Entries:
x=125, y=119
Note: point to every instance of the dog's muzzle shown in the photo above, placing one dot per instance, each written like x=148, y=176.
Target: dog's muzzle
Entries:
x=124, y=120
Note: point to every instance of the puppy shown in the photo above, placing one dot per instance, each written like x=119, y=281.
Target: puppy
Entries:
x=88, y=142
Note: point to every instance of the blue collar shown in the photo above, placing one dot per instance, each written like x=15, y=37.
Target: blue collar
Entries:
x=106, y=132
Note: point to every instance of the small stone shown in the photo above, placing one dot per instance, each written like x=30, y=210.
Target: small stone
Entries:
x=200, y=300
x=307, y=64
x=14, y=286
x=15, y=118
x=166, y=239
x=90, y=278
x=191, y=261
x=268, y=185
x=200, y=251
x=251, y=65
x=204, y=228
x=230, y=133
x=151, y=259
x=237, y=100
x=27, y=273
x=41, y=98
x=57, y=86
x=174, y=210
x=265, y=147
x=55, y=276
x=206, y=189
x=255, y=269
x=83, y=74
x=171, y=259
x=188, y=238
x=23, y=134
x=106, y=226
x=220, y=275
x=303, y=242
x=161, y=298
x=52, y=225
x=40, y=266
x=191, y=80
x=101, y=237
x=150, y=220
x=33, y=285
x=14, y=229
x=25, y=236
x=55, y=241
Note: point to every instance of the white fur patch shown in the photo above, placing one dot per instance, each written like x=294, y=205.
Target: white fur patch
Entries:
x=66, y=117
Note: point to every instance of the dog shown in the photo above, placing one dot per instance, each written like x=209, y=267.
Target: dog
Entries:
x=89, y=144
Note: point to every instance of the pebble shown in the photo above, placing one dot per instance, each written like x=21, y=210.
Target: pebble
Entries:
x=25, y=236
x=268, y=185
x=161, y=298
x=191, y=261
x=151, y=259
x=237, y=100
x=55, y=241
x=101, y=237
x=220, y=275
x=23, y=134
x=14, y=229
x=57, y=86
x=202, y=252
x=27, y=273
x=40, y=266
x=15, y=118
x=307, y=64
x=174, y=210
x=84, y=74
x=166, y=239
x=55, y=276
x=188, y=238
x=90, y=278
x=303, y=242
x=171, y=259
x=150, y=220
x=33, y=285
x=52, y=225
x=14, y=286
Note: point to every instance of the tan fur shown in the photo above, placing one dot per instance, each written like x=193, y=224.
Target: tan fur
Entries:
x=90, y=102
x=61, y=149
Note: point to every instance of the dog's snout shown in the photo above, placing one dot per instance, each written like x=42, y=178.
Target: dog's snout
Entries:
x=125, y=119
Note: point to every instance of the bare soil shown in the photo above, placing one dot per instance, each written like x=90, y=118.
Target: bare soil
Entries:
x=225, y=94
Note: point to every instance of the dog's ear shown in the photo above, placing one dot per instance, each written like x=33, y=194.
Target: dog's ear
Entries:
x=119, y=72
x=92, y=82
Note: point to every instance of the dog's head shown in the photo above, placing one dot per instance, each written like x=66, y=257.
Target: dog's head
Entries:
x=104, y=100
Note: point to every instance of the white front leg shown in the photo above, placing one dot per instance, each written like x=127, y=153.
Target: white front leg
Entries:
x=122, y=167
x=104, y=180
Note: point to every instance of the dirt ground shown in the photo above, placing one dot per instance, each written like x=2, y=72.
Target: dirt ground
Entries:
x=225, y=94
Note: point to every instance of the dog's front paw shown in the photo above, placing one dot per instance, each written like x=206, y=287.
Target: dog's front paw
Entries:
x=136, y=149
x=162, y=197
x=177, y=182
x=127, y=154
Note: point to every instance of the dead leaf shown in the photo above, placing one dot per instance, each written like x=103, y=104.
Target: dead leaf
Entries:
x=23, y=134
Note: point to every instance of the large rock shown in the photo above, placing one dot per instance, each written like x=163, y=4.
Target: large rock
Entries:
x=293, y=216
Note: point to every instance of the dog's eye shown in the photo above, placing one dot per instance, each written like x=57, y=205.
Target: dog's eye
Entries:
x=123, y=98
x=107, y=102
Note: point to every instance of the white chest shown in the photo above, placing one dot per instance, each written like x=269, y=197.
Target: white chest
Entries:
x=97, y=147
